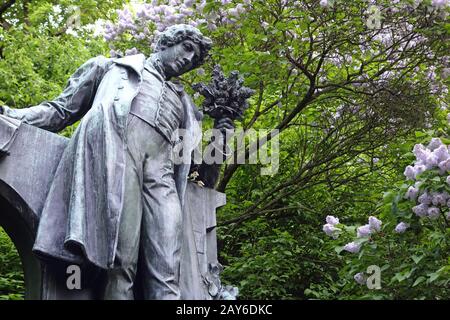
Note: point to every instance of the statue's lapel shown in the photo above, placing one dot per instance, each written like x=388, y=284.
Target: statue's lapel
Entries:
x=135, y=62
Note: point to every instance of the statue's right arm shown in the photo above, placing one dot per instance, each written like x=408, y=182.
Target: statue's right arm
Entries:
x=71, y=104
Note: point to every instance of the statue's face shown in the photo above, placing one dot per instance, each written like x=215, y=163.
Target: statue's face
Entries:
x=180, y=58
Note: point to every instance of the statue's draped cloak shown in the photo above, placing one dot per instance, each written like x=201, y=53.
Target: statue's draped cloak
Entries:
x=80, y=219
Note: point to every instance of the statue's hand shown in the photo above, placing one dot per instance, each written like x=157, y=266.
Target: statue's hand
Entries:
x=224, y=124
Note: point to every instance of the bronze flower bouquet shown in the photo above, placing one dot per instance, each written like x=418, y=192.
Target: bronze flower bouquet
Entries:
x=224, y=97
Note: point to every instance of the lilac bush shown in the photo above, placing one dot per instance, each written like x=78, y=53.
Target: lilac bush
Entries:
x=410, y=245
x=143, y=22
x=430, y=171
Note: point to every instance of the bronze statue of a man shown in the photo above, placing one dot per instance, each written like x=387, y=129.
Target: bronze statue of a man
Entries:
x=117, y=196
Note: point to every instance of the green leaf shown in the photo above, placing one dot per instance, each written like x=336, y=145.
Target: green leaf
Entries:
x=436, y=179
x=419, y=280
x=339, y=249
x=432, y=277
x=417, y=259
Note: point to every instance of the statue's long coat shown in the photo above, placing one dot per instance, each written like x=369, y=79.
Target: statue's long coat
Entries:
x=80, y=219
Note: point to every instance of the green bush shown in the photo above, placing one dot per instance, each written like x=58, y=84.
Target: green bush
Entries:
x=11, y=273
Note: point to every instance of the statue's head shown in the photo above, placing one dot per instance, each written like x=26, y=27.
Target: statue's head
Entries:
x=182, y=48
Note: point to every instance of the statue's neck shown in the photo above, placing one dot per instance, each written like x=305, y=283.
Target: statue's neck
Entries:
x=155, y=61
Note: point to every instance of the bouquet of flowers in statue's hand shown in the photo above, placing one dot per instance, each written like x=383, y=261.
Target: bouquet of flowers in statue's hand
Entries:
x=224, y=97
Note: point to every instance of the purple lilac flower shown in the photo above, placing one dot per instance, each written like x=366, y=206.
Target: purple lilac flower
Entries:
x=442, y=156
x=212, y=27
x=240, y=8
x=412, y=193
x=420, y=210
x=439, y=198
x=233, y=12
x=425, y=198
x=201, y=6
x=109, y=36
x=441, y=153
x=410, y=173
x=332, y=220
x=435, y=143
x=331, y=230
x=132, y=51
x=433, y=212
x=352, y=247
x=126, y=20
x=445, y=73
x=431, y=161
x=374, y=223
x=421, y=152
x=360, y=278
x=401, y=227
x=439, y=4
x=444, y=166
x=186, y=11
x=363, y=231
x=168, y=10
x=419, y=169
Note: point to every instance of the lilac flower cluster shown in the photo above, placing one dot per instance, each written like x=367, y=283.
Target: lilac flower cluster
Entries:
x=435, y=156
x=374, y=225
x=330, y=227
x=366, y=230
x=401, y=227
x=440, y=4
x=324, y=3
x=360, y=278
x=352, y=247
x=147, y=20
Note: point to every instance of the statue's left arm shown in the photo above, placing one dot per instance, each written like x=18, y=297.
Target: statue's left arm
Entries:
x=71, y=104
x=209, y=174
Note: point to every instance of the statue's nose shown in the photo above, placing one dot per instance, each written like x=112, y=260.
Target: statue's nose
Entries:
x=189, y=56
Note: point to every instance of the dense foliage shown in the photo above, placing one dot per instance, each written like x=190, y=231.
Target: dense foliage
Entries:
x=11, y=274
x=351, y=87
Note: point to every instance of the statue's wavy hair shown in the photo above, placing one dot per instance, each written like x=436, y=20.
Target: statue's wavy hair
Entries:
x=180, y=32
